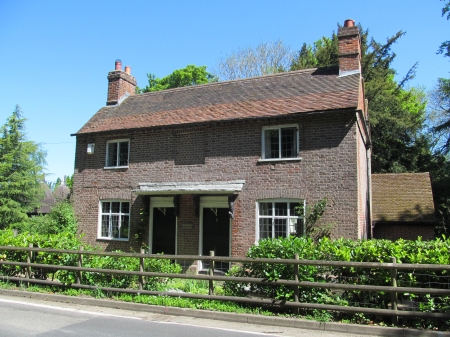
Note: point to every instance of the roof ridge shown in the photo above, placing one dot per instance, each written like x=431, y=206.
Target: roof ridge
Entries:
x=243, y=80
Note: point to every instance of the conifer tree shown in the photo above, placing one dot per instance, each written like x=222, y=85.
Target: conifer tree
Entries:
x=21, y=171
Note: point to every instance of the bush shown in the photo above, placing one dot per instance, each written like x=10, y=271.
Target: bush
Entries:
x=60, y=219
x=70, y=241
x=422, y=252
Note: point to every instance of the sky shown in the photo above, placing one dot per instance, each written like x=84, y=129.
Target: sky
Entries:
x=55, y=55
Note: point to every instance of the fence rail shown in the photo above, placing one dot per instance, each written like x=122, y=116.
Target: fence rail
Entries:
x=296, y=283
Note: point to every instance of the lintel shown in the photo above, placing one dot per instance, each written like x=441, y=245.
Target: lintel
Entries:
x=183, y=187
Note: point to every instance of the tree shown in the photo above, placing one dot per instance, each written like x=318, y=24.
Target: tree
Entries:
x=190, y=75
x=396, y=114
x=21, y=171
x=440, y=114
x=266, y=58
x=440, y=99
x=445, y=46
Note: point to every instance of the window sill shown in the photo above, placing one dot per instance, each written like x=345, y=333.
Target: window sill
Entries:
x=115, y=167
x=112, y=239
x=261, y=160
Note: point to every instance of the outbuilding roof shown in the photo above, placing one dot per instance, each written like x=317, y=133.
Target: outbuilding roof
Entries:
x=309, y=90
x=402, y=197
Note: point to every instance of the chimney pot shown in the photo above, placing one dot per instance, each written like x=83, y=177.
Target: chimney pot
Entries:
x=118, y=65
x=128, y=70
x=349, y=23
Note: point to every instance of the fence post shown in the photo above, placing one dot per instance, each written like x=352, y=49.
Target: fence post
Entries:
x=394, y=293
x=211, y=273
x=141, y=269
x=80, y=264
x=296, y=290
x=29, y=259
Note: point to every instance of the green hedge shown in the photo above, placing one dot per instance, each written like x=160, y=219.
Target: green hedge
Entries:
x=423, y=252
x=68, y=240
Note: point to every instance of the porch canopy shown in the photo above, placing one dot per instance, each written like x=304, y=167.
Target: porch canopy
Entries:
x=188, y=187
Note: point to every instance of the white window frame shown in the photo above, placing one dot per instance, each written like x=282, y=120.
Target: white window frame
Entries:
x=279, y=127
x=120, y=214
x=118, y=141
x=273, y=216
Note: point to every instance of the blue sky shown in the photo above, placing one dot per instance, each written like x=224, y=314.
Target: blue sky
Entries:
x=55, y=55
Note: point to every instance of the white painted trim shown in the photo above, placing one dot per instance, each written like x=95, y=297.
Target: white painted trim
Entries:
x=261, y=160
x=99, y=222
x=272, y=200
x=279, y=127
x=107, y=147
x=212, y=187
x=160, y=202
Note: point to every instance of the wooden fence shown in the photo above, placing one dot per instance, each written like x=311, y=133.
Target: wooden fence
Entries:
x=393, y=289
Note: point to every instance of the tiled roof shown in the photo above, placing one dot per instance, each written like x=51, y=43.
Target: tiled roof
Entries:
x=402, y=197
x=273, y=95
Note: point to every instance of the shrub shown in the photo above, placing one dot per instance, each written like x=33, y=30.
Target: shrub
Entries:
x=60, y=219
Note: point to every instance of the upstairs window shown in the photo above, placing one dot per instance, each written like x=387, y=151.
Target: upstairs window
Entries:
x=114, y=220
x=280, y=142
x=117, y=153
x=280, y=218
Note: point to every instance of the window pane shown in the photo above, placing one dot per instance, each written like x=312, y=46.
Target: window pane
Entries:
x=280, y=228
x=294, y=226
x=265, y=228
x=105, y=207
x=123, y=154
x=124, y=225
x=125, y=207
x=288, y=142
x=272, y=144
x=112, y=154
x=105, y=226
x=292, y=211
x=115, y=207
x=265, y=208
x=115, y=226
x=281, y=209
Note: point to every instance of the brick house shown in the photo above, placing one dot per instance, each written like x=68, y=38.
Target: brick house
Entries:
x=221, y=165
x=403, y=206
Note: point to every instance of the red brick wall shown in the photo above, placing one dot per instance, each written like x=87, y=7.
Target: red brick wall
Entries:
x=220, y=152
x=405, y=231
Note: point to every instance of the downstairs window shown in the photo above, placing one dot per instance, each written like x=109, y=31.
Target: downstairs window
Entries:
x=280, y=218
x=114, y=220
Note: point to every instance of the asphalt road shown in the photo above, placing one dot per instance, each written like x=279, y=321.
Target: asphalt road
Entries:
x=23, y=317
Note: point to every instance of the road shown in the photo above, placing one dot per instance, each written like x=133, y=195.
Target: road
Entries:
x=24, y=317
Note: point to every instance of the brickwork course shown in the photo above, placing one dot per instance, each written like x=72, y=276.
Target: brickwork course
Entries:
x=212, y=133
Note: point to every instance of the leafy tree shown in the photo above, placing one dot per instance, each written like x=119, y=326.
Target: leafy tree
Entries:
x=440, y=114
x=396, y=114
x=445, y=46
x=190, y=75
x=266, y=58
x=21, y=171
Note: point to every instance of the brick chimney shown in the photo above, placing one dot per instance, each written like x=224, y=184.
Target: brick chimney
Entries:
x=120, y=84
x=349, y=48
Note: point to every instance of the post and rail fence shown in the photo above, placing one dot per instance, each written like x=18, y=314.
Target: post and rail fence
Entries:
x=296, y=283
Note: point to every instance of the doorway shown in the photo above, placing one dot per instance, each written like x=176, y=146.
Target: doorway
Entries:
x=215, y=230
x=163, y=226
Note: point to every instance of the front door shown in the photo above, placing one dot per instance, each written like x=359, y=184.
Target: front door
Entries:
x=216, y=231
x=164, y=230
x=215, y=235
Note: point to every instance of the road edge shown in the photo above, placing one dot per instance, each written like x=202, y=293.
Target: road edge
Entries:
x=229, y=317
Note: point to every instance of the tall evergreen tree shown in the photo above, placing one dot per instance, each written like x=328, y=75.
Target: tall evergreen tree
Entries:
x=21, y=171
x=396, y=114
